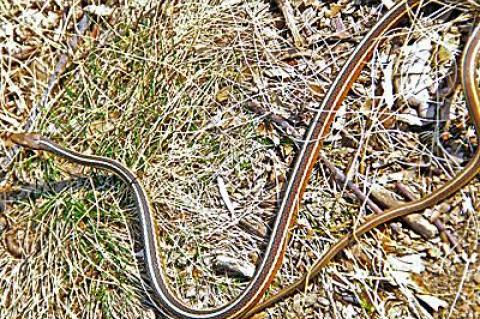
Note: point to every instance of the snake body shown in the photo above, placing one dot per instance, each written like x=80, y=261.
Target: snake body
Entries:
x=246, y=304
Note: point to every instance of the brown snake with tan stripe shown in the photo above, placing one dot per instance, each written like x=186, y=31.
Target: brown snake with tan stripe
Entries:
x=245, y=305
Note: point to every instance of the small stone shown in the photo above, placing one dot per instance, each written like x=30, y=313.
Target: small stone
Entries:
x=421, y=225
x=407, y=241
x=310, y=300
x=444, y=208
x=396, y=228
x=235, y=266
x=254, y=256
x=324, y=302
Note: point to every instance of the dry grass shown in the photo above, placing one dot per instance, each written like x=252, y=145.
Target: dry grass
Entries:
x=169, y=98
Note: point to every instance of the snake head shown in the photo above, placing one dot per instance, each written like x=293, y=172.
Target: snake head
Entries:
x=28, y=140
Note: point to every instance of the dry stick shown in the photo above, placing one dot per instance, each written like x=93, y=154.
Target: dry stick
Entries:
x=289, y=17
x=255, y=107
x=82, y=26
x=342, y=179
x=416, y=224
x=402, y=189
x=280, y=121
x=62, y=63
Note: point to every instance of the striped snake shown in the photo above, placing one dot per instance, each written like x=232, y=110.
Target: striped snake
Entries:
x=247, y=303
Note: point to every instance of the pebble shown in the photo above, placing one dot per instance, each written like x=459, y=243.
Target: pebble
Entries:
x=420, y=225
x=444, y=208
x=310, y=300
x=396, y=228
x=324, y=302
x=407, y=241
x=235, y=266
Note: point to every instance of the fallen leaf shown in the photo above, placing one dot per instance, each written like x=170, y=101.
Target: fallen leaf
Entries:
x=223, y=95
x=316, y=88
x=410, y=263
x=410, y=119
x=433, y=302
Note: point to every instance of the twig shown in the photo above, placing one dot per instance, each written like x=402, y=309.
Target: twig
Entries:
x=62, y=62
x=287, y=12
x=342, y=179
x=82, y=26
x=415, y=221
x=279, y=120
x=407, y=194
